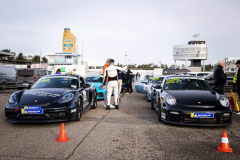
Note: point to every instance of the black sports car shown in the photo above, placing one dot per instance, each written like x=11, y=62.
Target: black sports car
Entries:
x=53, y=98
x=190, y=100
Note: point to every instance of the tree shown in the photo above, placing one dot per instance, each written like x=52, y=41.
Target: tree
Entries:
x=20, y=57
x=36, y=58
x=45, y=60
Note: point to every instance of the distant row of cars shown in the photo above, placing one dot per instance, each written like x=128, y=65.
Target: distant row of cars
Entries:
x=20, y=78
x=186, y=100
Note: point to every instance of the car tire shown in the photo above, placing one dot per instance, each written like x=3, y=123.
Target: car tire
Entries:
x=3, y=86
x=159, y=114
x=159, y=110
x=152, y=107
x=79, y=110
x=95, y=101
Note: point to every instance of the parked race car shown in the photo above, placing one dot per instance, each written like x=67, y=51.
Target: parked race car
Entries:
x=156, y=80
x=97, y=81
x=53, y=98
x=187, y=100
x=142, y=84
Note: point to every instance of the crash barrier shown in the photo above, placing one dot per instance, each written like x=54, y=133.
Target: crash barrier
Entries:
x=224, y=147
x=62, y=137
x=234, y=99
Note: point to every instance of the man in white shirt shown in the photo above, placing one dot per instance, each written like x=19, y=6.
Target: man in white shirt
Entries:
x=111, y=76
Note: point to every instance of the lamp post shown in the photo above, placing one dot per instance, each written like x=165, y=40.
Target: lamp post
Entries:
x=125, y=59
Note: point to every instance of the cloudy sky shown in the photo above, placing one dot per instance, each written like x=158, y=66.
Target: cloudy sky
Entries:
x=144, y=30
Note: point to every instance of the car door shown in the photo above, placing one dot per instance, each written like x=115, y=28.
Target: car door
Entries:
x=141, y=86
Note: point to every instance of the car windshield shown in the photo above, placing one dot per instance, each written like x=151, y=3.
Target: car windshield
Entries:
x=94, y=79
x=57, y=82
x=157, y=79
x=142, y=78
x=186, y=83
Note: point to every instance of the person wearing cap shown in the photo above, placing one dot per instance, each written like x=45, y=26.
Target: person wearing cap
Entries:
x=220, y=77
x=236, y=79
x=106, y=65
x=58, y=71
x=111, y=76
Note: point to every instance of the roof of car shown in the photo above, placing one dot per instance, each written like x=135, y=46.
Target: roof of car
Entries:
x=74, y=75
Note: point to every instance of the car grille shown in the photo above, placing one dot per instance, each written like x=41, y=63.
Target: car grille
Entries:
x=218, y=118
x=100, y=94
x=33, y=117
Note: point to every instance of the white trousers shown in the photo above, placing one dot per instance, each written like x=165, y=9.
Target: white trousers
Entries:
x=112, y=85
x=105, y=96
x=119, y=85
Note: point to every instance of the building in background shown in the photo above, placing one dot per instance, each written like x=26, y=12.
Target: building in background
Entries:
x=230, y=63
x=68, y=61
x=195, y=51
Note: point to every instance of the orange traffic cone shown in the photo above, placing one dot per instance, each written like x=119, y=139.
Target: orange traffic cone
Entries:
x=62, y=137
x=224, y=147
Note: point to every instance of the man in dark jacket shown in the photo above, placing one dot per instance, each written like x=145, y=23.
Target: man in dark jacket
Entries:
x=129, y=81
x=220, y=77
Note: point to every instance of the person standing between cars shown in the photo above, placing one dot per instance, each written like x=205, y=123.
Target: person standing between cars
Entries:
x=129, y=81
x=120, y=79
x=106, y=65
x=236, y=79
x=58, y=71
x=220, y=77
x=111, y=76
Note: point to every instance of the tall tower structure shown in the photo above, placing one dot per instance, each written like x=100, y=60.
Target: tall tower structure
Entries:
x=195, y=51
x=69, y=41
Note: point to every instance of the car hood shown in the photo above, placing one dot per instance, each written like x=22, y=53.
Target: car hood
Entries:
x=41, y=95
x=195, y=97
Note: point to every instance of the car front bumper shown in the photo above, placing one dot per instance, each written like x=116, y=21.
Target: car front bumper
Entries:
x=184, y=118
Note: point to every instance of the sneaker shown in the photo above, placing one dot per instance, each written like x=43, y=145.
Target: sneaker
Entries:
x=107, y=107
x=116, y=106
x=127, y=93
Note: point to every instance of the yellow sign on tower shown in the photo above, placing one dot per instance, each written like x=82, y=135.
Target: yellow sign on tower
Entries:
x=69, y=41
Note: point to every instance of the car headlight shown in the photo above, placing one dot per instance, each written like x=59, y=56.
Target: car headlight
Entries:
x=224, y=101
x=13, y=98
x=66, y=98
x=171, y=100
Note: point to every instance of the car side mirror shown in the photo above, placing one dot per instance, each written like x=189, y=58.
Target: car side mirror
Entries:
x=158, y=87
x=160, y=82
x=29, y=86
x=144, y=82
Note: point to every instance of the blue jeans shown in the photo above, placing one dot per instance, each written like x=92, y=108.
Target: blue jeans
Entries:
x=221, y=89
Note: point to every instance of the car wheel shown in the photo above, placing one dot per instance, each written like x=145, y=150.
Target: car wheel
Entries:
x=79, y=110
x=3, y=87
x=159, y=111
x=95, y=101
x=159, y=114
x=152, y=106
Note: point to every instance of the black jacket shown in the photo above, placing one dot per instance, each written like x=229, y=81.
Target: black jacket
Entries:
x=219, y=76
x=120, y=74
x=129, y=76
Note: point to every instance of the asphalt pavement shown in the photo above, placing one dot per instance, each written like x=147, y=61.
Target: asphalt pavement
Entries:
x=132, y=132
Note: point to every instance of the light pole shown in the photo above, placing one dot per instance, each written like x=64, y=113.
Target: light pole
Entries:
x=125, y=59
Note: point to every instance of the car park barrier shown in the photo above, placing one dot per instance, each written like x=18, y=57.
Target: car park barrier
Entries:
x=224, y=147
x=62, y=137
x=234, y=97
